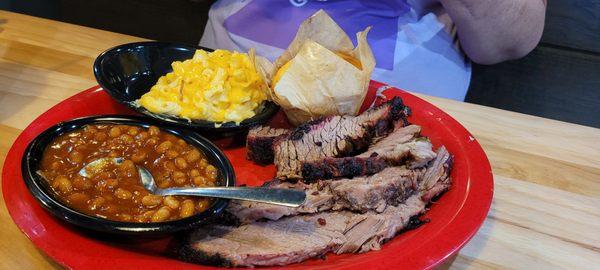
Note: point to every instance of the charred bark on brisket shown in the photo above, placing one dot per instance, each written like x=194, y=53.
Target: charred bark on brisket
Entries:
x=334, y=136
x=259, y=143
x=330, y=168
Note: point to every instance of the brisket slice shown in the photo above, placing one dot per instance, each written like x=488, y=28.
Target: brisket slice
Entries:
x=401, y=147
x=391, y=186
x=334, y=136
x=329, y=168
x=259, y=143
x=298, y=238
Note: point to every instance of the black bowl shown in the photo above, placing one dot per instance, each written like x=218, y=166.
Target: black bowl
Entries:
x=128, y=71
x=41, y=190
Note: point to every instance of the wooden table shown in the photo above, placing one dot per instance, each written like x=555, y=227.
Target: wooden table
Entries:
x=546, y=208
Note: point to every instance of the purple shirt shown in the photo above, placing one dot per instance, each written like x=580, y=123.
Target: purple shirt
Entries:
x=413, y=41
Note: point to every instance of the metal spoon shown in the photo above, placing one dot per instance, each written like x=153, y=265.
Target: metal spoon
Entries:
x=279, y=196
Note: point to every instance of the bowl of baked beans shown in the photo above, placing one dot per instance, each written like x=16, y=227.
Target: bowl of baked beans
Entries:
x=112, y=199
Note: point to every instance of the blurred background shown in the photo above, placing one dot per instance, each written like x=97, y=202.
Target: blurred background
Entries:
x=560, y=79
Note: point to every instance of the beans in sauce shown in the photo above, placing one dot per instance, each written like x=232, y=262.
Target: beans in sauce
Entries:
x=115, y=192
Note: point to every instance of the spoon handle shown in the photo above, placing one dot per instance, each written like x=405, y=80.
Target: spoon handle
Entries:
x=279, y=196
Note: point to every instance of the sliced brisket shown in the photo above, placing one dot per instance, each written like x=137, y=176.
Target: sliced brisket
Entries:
x=329, y=168
x=388, y=187
x=298, y=238
x=334, y=136
x=401, y=147
x=259, y=143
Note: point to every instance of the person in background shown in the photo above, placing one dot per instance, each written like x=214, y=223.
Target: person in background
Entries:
x=419, y=45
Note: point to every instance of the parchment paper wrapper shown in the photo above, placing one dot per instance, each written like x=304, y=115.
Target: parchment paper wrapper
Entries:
x=318, y=82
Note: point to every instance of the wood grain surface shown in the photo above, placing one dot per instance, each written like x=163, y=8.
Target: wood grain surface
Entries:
x=546, y=208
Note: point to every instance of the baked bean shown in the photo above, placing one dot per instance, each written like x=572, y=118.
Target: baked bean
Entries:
x=123, y=194
x=169, y=165
x=161, y=214
x=133, y=131
x=151, y=200
x=126, y=138
x=127, y=165
x=97, y=203
x=187, y=209
x=81, y=183
x=148, y=214
x=192, y=156
x=78, y=197
x=115, y=191
x=139, y=156
x=181, y=142
x=55, y=183
x=154, y=131
x=162, y=176
x=63, y=184
x=105, y=175
x=164, y=146
x=171, y=202
x=55, y=165
x=199, y=181
x=202, y=205
x=171, y=154
x=100, y=136
x=164, y=183
x=76, y=157
x=211, y=172
x=112, y=183
x=90, y=129
x=178, y=174
x=114, y=132
x=179, y=177
x=181, y=163
x=110, y=208
x=152, y=141
x=87, y=135
x=142, y=136
x=106, y=184
x=194, y=172
x=202, y=164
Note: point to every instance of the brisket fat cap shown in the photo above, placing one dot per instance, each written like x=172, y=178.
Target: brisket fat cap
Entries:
x=334, y=136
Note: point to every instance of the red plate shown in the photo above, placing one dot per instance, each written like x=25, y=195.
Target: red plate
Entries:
x=454, y=218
